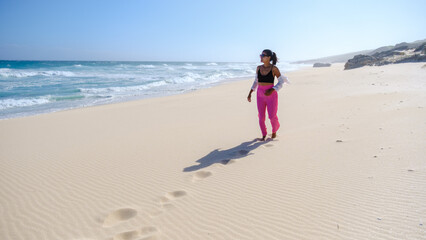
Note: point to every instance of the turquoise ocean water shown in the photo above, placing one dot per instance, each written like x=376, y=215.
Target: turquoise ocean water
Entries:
x=34, y=87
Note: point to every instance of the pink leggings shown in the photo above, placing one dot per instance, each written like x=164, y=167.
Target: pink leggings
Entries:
x=267, y=102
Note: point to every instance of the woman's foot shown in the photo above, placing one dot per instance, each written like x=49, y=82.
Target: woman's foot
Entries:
x=274, y=135
x=263, y=138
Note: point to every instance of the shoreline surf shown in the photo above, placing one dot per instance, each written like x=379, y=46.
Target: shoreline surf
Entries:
x=37, y=87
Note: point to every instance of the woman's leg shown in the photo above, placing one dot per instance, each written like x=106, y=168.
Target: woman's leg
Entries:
x=272, y=106
x=261, y=108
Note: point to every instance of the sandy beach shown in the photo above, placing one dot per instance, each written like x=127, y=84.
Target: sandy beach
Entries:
x=348, y=163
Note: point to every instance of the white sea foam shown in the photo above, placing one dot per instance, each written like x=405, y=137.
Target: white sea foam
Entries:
x=217, y=77
x=189, y=66
x=146, y=66
x=187, y=77
x=18, y=73
x=211, y=64
x=121, y=75
x=112, y=90
x=25, y=102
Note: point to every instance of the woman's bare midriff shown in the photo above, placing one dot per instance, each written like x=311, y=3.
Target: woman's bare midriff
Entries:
x=265, y=84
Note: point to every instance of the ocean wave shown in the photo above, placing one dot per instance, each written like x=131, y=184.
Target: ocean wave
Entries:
x=122, y=65
x=216, y=77
x=109, y=90
x=7, y=72
x=246, y=68
x=116, y=75
x=24, y=102
x=145, y=66
x=187, y=77
x=211, y=64
x=66, y=98
x=220, y=76
x=189, y=67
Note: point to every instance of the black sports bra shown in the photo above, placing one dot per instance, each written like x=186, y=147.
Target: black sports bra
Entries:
x=269, y=78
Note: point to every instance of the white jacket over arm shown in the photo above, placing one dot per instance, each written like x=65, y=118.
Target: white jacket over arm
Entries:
x=281, y=80
x=254, y=86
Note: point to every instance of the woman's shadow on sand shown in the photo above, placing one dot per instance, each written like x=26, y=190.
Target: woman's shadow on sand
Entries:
x=224, y=156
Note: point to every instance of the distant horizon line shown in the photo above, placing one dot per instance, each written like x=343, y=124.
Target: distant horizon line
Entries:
x=116, y=61
x=133, y=61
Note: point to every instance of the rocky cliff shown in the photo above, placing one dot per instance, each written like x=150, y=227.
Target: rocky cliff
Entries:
x=400, y=53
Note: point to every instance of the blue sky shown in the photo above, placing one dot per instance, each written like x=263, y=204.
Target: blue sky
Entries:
x=216, y=30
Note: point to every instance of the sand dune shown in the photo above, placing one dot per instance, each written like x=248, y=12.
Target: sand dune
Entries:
x=348, y=163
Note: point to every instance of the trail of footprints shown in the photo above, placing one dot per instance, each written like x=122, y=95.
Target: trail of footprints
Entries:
x=165, y=202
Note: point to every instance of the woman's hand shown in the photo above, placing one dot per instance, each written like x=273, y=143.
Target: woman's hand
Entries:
x=249, y=97
x=269, y=91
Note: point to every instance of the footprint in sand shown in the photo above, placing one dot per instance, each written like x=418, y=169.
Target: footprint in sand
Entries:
x=143, y=233
x=176, y=194
x=168, y=198
x=118, y=216
x=165, y=202
x=201, y=175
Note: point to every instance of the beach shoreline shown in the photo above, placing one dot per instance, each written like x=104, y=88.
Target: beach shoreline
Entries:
x=39, y=87
x=348, y=163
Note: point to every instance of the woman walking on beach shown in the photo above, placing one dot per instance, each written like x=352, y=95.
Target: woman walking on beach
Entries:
x=267, y=95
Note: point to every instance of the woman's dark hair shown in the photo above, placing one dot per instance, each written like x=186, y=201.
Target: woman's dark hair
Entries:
x=274, y=58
